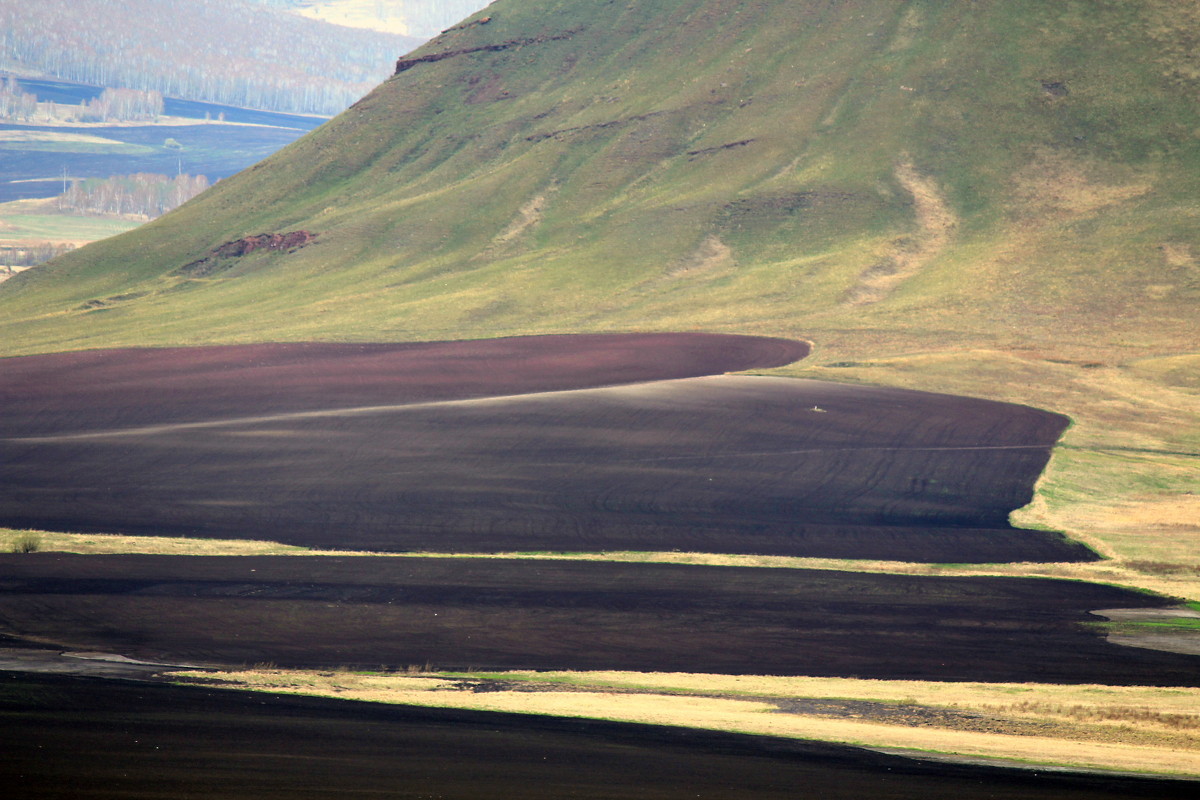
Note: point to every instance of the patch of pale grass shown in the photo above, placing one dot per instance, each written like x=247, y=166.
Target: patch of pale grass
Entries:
x=936, y=223
x=744, y=704
x=1058, y=183
x=1175, y=578
x=357, y=14
x=961, y=695
x=112, y=543
x=54, y=136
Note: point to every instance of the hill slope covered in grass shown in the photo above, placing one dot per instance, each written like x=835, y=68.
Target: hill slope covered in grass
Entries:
x=991, y=198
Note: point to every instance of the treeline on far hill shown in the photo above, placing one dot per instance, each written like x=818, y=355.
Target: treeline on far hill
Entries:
x=223, y=51
x=113, y=105
x=143, y=194
x=30, y=255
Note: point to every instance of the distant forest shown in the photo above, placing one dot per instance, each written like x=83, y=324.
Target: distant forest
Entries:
x=231, y=52
x=143, y=194
x=113, y=105
x=30, y=255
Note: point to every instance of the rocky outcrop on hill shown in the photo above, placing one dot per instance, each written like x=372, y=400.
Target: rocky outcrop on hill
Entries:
x=217, y=258
x=405, y=64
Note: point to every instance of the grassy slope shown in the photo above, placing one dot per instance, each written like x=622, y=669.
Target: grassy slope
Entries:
x=1062, y=214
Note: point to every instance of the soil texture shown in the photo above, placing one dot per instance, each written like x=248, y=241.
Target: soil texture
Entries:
x=494, y=447
x=493, y=614
x=81, y=738
x=553, y=443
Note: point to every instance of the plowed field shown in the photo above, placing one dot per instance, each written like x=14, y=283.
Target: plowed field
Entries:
x=75, y=738
x=589, y=443
x=514, y=614
x=492, y=447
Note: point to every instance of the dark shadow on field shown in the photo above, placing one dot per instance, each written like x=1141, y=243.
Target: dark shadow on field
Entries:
x=92, y=739
x=409, y=448
x=543, y=615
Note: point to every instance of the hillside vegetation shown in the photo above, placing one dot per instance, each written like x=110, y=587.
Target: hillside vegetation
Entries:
x=994, y=198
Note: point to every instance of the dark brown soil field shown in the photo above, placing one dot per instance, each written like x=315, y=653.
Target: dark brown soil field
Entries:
x=303, y=447
x=546, y=443
x=514, y=614
x=105, y=389
x=78, y=738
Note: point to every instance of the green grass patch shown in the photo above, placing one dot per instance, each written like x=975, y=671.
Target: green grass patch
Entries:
x=30, y=228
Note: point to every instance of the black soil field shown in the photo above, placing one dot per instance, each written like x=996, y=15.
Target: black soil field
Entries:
x=481, y=447
x=517, y=614
x=104, y=389
x=544, y=443
x=78, y=738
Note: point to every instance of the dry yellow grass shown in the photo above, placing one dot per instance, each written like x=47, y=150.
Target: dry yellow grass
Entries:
x=1141, y=729
x=1183, y=584
x=1057, y=185
x=99, y=543
x=53, y=136
x=935, y=225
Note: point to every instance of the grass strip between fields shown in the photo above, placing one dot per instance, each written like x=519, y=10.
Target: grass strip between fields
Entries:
x=1134, y=729
x=1183, y=583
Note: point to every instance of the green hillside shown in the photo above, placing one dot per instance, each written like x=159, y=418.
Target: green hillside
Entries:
x=995, y=198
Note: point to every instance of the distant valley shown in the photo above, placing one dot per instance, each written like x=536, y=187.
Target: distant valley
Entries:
x=193, y=144
x=104, y=127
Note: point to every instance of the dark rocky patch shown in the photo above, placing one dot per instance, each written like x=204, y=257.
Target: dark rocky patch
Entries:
x=220, y=258
x=729, y=146
x=405, y=64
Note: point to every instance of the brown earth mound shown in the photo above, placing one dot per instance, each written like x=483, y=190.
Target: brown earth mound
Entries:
x=545, y=615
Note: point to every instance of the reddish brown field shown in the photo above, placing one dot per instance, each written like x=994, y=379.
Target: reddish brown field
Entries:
x=105, y=389
x=375, y=448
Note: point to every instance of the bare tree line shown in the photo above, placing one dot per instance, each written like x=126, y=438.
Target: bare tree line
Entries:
x=122, y=105
x=113, y=105
x=15, y=104
x=29, y=255
x=143, y=194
